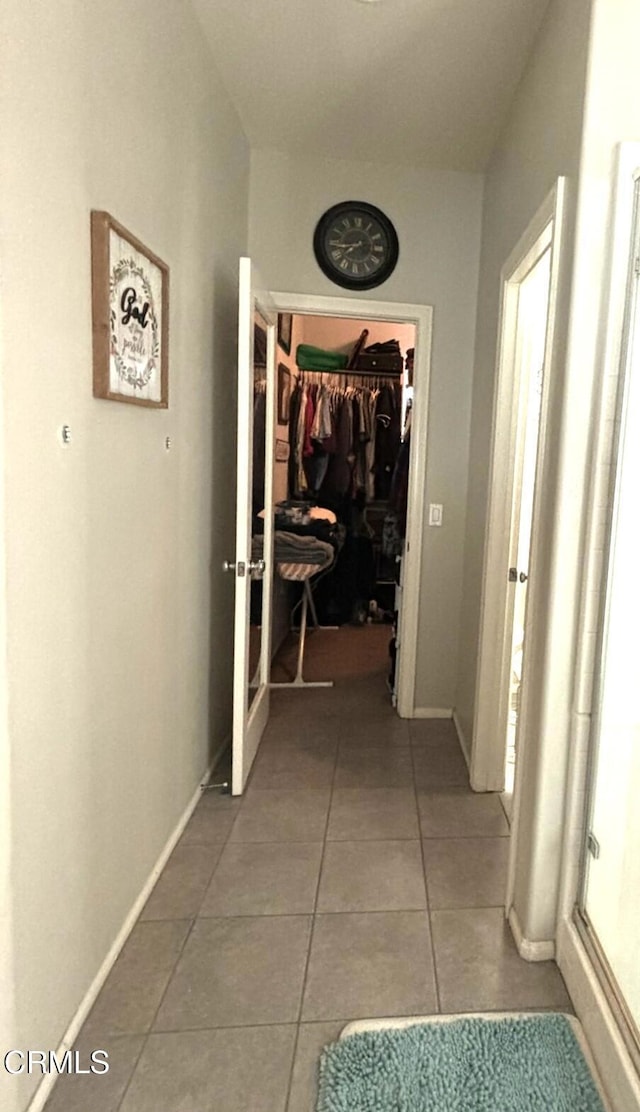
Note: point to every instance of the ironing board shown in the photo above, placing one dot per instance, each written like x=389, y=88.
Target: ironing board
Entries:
x=302, y=572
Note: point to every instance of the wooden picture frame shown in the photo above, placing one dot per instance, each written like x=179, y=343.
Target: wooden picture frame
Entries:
x=130, y=309
x=282, y=451
x=284, y=394
x=285, y=328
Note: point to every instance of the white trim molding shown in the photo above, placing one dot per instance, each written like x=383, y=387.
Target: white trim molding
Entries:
x=530, y=951
x=613, y=1062
x=432, y=712
x=464, y=745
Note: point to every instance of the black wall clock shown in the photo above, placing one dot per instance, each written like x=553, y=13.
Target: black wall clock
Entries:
x=356, y=245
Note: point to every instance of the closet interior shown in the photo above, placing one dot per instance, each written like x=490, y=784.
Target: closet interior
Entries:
x=343, y=418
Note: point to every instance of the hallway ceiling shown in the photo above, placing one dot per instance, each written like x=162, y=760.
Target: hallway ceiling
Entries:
x=421, y=82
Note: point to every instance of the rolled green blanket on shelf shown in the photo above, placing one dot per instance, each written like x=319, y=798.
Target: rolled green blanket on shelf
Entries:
x=310, y=358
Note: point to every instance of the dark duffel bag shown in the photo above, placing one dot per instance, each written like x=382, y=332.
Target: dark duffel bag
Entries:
x=382, y=362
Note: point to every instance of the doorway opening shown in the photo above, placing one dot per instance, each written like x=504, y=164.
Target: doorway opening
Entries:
x=265, y=385
x=532, y=315
x=511, y=592
x=341, y=471
x=344, y=320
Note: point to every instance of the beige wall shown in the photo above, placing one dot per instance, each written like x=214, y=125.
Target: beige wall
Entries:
x=539, y=143
x=437, y=217
x=118, y=619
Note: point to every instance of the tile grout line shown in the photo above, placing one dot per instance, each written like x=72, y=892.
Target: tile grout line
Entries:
x=426, y=888
x=334, y=914
x=181, y=950
x=149, y=1032
x=312, y=930
x=316, y=1022
x=133, y=1070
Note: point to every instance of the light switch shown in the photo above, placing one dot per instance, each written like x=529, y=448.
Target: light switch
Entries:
x=435, y=513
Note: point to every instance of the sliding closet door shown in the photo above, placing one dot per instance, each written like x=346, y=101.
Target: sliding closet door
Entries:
x=611, y=900
x=253, y=565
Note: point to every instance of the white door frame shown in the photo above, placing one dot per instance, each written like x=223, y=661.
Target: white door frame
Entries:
x=489, y=740
x=422, y=317
x=615, y=1065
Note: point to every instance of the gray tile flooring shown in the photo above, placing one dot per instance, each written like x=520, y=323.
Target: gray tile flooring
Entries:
x=358, y=876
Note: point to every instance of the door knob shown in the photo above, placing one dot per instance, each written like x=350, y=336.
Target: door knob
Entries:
x=523, y=577
x=256, y=565
x=228, y=565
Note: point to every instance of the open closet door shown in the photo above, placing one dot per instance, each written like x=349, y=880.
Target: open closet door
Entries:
x=252, y=566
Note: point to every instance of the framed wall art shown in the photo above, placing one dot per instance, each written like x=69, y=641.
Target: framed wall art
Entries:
x=284, y=394
x=130, y=304
x=285, y=325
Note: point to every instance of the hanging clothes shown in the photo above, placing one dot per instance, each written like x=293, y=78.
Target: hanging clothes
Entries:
x=301, y=481
x=259, y=437
x=321, y=428
x=309, y=415
x=368, y=406
x=388, y=436
x=344, y=437
x=294, y=413
x=339, y=477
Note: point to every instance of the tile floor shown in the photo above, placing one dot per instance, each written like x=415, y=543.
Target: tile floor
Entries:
x=358, y=876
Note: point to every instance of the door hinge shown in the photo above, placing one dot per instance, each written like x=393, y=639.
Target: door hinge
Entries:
x=593, y=845
x=636, y=265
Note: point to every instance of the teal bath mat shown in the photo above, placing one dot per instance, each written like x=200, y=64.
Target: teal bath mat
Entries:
x=530, y=1063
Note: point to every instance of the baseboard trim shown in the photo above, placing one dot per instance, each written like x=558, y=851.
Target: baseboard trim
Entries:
x=43, y=1091
x=530, y=951
x=432, y=712
x=462, y=739
x=613, y=1061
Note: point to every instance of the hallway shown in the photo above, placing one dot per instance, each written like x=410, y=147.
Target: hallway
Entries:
x=359, y=876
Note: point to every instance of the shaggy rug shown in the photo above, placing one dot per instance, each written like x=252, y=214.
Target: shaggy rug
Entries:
x=520, y=1063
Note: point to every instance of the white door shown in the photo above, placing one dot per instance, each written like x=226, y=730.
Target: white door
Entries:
x=533, y=303
x=253, y=566
x=529, y=286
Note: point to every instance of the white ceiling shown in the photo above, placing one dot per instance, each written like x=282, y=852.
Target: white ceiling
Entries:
x=421, y=82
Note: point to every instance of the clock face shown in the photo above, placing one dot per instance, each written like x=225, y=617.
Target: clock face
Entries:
x=356, y=245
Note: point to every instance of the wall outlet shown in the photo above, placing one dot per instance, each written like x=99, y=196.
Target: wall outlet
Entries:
x=435, y=513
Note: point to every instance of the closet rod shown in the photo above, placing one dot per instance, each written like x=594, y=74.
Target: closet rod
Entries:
x=352, y=372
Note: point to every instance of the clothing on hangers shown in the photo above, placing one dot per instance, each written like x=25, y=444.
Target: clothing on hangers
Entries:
x=345, y=434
